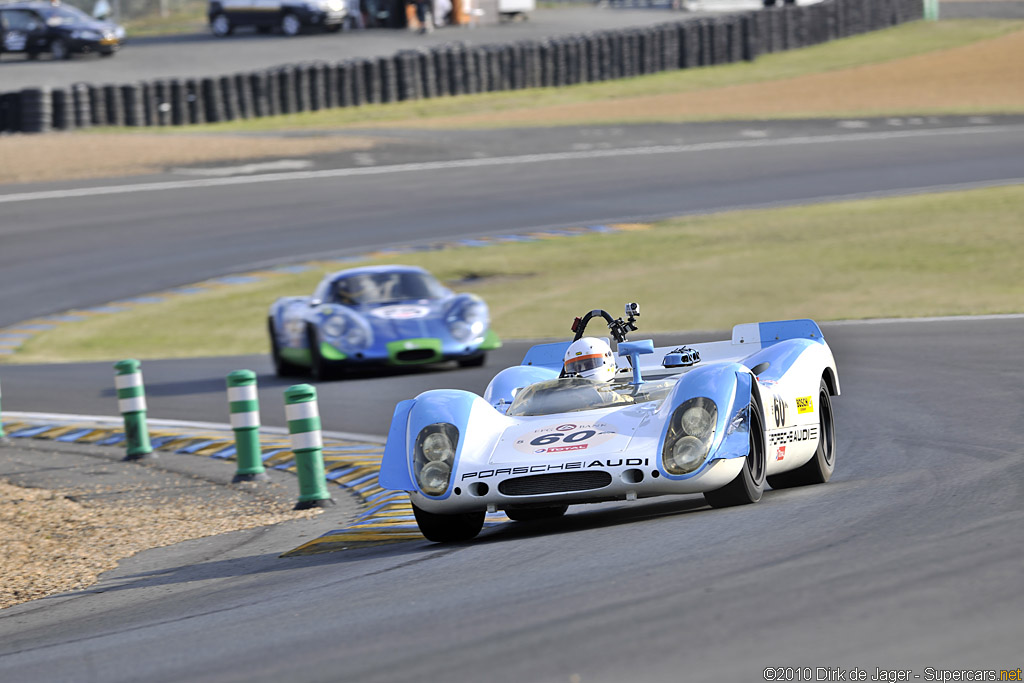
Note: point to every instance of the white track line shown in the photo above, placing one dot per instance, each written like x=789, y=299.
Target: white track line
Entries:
x=496, y=161
x=106, y=420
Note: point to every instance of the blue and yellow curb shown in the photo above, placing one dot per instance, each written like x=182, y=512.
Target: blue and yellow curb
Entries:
x=13, y=337
x=349, y=463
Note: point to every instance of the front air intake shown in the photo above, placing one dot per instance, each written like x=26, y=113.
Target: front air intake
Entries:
x=416, y=355
x=557, y=482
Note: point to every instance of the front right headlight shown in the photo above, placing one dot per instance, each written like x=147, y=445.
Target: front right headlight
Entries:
x=690, y=435
x=434, y=457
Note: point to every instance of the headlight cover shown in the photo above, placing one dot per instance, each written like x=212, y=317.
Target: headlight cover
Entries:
x=434, y=457
x=691, y=432
x=468, y=320
x=344, y=329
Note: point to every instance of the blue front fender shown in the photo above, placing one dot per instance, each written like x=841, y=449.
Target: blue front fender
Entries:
x=729, y=385
x=410, y=417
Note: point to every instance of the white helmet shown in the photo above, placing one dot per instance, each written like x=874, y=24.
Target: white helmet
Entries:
x=591, y=358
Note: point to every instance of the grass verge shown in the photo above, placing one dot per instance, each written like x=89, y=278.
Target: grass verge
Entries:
x=947, y=254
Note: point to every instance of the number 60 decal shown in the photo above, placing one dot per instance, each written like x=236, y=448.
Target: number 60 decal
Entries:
x=575, y=437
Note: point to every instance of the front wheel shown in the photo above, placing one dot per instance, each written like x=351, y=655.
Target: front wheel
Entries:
x=290, y=25
x=748, y=485
x=473, y=361
x=449, y=528
x=819, y=468
x=282, y=367
x=320, y=369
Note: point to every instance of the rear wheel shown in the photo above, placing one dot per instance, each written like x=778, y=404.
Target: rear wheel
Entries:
x=220, y=26
x=819, y=468
x=449, y=528
x=748, y=485
x=290, y=25
x=59, y=49
x=533, y=514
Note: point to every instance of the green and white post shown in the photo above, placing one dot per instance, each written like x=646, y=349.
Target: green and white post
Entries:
x=244, y=405
x=131, y=402
x=931, y=10
x=307, y=444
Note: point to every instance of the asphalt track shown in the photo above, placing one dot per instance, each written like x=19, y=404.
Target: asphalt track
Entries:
x=75, y=245
x=908, y=559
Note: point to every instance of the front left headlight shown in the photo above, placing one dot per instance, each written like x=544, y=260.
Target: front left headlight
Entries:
x=469, y=321
x=691, y=432
x=434, y=457
x=345, y=330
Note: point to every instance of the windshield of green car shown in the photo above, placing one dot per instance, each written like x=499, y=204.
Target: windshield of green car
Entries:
x=378, y=288
x=573, y=394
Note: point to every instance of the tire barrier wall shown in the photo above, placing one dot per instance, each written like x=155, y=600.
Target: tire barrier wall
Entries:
x=453, y=69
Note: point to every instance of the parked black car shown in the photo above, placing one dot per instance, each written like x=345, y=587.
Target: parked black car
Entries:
x=290, y=16
x=37, y=27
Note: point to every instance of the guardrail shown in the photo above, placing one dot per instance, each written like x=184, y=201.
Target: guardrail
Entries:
x=453, y=69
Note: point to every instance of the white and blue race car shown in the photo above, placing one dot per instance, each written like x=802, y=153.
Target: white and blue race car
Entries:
x=386, y=315
x=719, y=418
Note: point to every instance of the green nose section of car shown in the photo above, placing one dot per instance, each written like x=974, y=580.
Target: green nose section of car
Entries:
x=328, y=352
x=413, y=351
x=491, y=341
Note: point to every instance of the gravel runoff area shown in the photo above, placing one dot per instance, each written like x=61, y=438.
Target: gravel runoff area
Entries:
x=69, y=512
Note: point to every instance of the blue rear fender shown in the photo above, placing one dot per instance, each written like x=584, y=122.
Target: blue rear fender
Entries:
x=729, y=385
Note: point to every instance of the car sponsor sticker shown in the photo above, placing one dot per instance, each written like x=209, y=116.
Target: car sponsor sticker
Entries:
x=780, y=452
x=564, y=436
x=804, y=405
x=402, y=312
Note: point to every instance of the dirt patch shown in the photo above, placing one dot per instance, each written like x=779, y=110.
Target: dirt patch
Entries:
x=982, y=77
x=61, y=540
x=69, y=156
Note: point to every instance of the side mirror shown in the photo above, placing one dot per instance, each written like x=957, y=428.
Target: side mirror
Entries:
x=315, y=302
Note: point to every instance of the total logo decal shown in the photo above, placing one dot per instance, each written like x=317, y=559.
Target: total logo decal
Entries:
x=401, y=312
x=564, y=437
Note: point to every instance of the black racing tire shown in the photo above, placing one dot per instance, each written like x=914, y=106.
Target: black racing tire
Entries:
x=769, y=3
x=221, y=26
x=748, y=485
x=291, y=25
x=463, y=526
x=282, y=367
x=320, y=369
x=59, y=49
x=473, y=361
x=820, y=467
x=534, y=514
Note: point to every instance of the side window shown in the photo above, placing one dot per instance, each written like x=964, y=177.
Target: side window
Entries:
x=22, y=20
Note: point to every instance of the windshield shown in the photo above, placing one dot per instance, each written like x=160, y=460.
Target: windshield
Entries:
x=63, y=14
x=573, y=394
x=376, y=288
